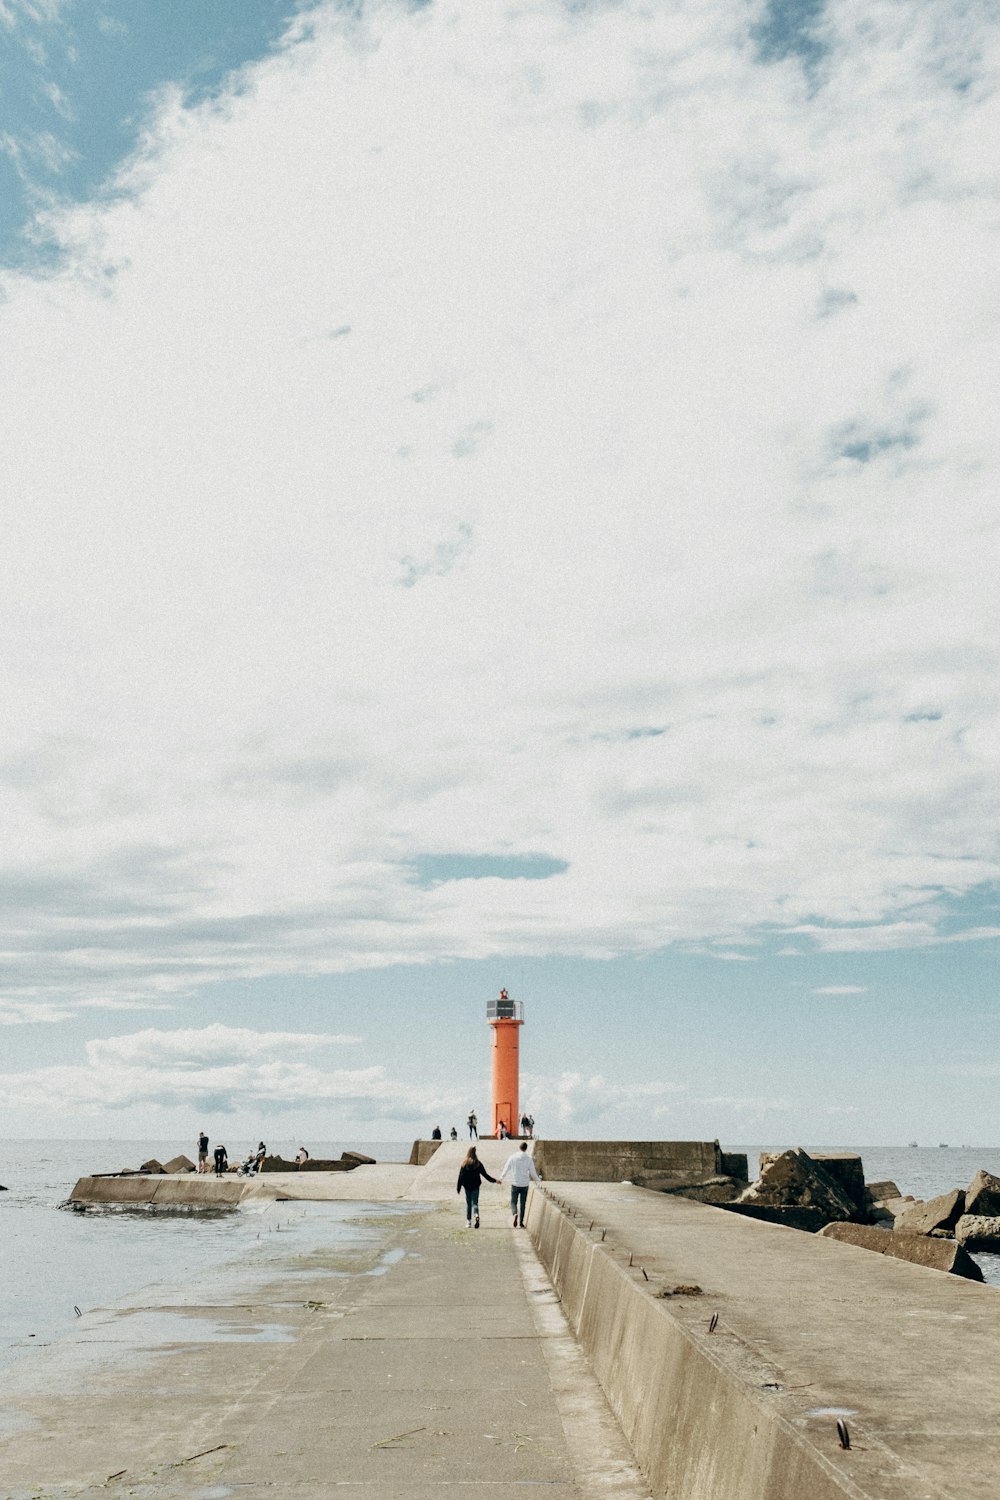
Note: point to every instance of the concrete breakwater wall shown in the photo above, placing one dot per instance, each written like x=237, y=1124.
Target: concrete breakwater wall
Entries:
x=617, y=1161
x=698, y=1429
x=207, y=1191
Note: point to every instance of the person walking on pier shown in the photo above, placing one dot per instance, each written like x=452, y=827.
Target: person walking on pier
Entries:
x=470, y=1177
x=521, y=1170
x=473, y=1126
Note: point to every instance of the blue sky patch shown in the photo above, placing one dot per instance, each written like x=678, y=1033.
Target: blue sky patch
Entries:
x=435, y=869
x=788, y=28
x=77, y=84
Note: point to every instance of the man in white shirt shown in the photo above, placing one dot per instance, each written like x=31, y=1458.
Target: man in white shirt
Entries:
x=521, y=1170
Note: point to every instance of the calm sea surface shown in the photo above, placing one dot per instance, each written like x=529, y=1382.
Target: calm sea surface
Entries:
x=52, y=1261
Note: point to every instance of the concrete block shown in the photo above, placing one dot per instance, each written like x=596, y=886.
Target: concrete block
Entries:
x=847, y=1170
x=942, y=1212
x=979, y=1232
x=204, y=1191
x=358, y=1160
x=421, y=1152
x=792, y=1216
x=982, y=1196
x=793, y=1179
x=920, y=1249
x=734, y=1164
x=115, y=1190
x=618, y=1161
x=178, y=1164
x=714, y=1190
x=878, y=1192
x=151, y=1166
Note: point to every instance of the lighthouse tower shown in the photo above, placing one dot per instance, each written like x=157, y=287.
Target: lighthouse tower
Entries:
x=506, y=1016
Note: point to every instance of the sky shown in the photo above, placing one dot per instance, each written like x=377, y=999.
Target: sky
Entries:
x=500, y=495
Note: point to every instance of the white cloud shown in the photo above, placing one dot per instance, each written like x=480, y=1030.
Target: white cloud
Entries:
x=572, y=1098
x=751, y=1105
x=509, y=430
x=122, y=1005
x=217, y=1069
x=23, y=1013
x=199, y=1047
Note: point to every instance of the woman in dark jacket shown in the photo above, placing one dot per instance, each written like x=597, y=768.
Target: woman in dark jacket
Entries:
x=470, y=1176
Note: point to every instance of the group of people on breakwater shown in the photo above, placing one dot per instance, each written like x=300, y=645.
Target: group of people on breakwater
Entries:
x=527, y=1129
x=519, y=1167
x=250, y=1165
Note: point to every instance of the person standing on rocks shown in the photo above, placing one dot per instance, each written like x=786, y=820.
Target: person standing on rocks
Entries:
x=473, y=1126
x=470, y=1177
x=521, y=1170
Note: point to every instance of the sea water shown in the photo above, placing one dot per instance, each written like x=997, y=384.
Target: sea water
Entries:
x=54, y=1261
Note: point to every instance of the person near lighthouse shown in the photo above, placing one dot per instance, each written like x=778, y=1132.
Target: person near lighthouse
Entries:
x=521, y=1170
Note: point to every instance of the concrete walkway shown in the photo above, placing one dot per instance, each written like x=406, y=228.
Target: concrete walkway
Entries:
x=445, y=1372
x=810, y=1329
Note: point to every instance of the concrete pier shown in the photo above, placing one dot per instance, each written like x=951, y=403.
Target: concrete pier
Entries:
x=631, y=1343
x=808, y=1330
x=450, y=1372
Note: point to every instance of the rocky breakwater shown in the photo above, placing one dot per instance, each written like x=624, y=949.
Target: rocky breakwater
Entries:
x=345, y=1162
x=962, y=1220
x=825, y=1193
x=152, y=1168
x=179, y=1185
x=806, y=1191
x=978, y=1226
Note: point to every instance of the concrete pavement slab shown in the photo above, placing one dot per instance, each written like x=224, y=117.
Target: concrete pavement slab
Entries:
x=430, y=1377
